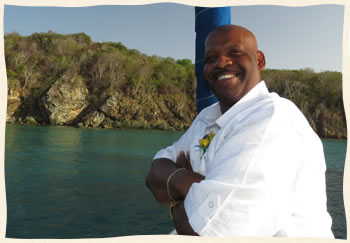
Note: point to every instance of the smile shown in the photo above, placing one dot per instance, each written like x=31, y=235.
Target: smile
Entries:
x=226, y=76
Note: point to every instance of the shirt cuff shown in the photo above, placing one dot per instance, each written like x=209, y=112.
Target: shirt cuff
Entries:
x=199, y=216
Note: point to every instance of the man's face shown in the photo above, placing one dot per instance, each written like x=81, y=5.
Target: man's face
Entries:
x=232, y=64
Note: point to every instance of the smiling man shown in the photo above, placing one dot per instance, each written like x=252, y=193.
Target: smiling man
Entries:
x=249, y=165
x=232, y=64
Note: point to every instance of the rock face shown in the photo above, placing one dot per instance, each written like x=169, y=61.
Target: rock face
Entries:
x=65, y=100
x=13, y=103
x=94, y=119
x=109, y=108
x=125, y=112
x=68, y=102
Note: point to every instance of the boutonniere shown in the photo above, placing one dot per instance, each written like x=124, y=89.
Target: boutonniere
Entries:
x=204, y=142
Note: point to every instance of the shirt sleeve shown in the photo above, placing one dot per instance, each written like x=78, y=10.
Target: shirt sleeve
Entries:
x=183, y=144
x=249, y=188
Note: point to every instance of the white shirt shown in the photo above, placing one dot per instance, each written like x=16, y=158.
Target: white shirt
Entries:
x=264, y=170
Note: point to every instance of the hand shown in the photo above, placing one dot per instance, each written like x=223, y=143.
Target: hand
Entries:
x=184, y=161
x=180, y=183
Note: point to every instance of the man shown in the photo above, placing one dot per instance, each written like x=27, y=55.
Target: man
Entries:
x=249, y=165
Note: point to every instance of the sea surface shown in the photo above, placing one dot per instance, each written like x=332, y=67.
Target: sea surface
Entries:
x=64, y=182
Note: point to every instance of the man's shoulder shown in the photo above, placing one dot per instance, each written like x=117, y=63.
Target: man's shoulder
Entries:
x=275, y=109
x=285, y=113
x=286, y=108
x=265, y=106
x=278, y=106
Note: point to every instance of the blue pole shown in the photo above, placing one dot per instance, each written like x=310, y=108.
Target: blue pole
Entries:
x=206, y=19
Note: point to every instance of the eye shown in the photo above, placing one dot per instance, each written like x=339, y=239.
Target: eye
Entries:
x=236, y=52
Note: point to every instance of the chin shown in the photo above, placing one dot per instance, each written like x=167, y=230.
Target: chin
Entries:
x=228, y=100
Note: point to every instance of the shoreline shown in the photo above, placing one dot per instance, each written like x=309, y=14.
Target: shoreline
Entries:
x=134, y=128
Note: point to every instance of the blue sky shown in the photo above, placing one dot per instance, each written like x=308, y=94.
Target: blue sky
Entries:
x=291, y=37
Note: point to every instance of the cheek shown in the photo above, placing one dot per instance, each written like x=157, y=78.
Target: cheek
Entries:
x=244, y=60
x=206, y=71
x=249, y=63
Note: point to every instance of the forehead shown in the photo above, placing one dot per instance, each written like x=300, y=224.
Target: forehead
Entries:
x=233, y=37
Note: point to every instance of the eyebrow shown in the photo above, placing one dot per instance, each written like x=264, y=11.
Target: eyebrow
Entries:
x=233, y=46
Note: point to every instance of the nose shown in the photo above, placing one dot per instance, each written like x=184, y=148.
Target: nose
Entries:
x=222, y=61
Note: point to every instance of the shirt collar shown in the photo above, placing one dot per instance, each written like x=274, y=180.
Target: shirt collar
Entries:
x=255, y=94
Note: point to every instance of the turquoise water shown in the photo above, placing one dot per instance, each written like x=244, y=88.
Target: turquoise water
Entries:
x=63, y=182
x=335, y=151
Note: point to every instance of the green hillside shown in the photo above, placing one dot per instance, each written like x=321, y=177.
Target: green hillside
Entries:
x=70, y=80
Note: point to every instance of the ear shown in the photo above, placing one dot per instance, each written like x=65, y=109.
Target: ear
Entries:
x=260, y=60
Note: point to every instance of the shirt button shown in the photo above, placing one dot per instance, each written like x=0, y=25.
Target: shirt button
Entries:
x=210, y=204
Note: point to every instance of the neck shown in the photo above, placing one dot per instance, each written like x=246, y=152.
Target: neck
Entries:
x=224, y=108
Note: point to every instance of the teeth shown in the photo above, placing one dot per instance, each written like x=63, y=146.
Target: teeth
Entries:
x=227, y=76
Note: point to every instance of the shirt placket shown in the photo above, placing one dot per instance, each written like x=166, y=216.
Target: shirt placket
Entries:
x=214, y=128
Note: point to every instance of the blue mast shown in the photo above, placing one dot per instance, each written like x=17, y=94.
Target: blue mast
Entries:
x=206, y=19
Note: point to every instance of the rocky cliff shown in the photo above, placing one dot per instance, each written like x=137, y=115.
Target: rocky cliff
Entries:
x=69, y=80
x=67, y=102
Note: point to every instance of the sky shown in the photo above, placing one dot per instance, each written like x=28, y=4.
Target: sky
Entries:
x=290, y=37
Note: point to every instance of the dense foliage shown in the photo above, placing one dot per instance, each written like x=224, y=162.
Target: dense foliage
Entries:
x=34, y=63
x=37, y=61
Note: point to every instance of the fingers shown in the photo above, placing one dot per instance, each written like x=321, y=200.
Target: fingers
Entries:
x=189, y=166
x=183, y=160
x=180, y=160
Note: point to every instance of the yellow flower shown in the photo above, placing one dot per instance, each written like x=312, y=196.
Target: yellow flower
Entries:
x=204, y=142
x=211, y=136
